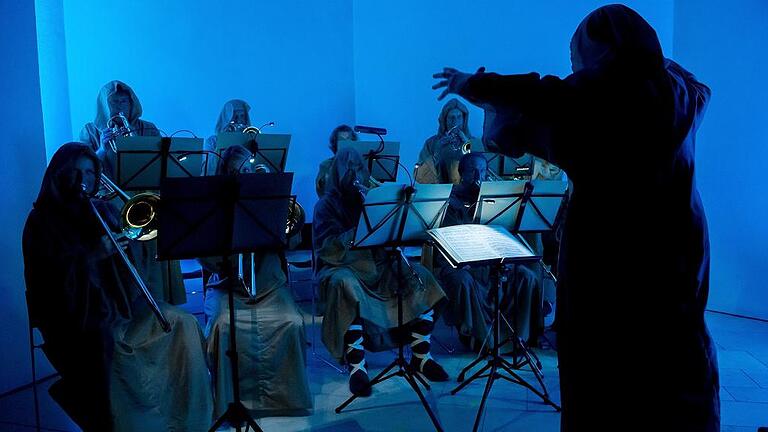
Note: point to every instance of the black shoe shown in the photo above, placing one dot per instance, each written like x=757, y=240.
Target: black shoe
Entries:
x=359, y=384
x=430, y=369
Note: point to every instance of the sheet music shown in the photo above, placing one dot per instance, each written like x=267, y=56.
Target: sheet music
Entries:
x=474, y=242
x=467, y=244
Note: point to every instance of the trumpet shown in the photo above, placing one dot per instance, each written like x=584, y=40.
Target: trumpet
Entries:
x=119, y=126
x=138, y=216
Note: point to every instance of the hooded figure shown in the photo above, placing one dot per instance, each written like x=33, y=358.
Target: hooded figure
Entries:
x=234, y=113
x=163, y=279
x=270, y=332
x=120, y=371
x=438, y=162
x=357, y=287
x=113, y=98
x=470, y=291
x=634, y=259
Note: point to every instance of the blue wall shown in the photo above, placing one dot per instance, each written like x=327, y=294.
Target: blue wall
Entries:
x=724, y=44
x=292, y=61
x=399, y=44
x=21, y=120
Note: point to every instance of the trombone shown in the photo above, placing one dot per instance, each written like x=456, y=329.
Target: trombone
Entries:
x=166, y=326
x=138, y=216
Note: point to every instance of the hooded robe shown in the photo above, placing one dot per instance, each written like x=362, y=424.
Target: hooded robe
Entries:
x=120, y=371
x=164, y=279
x=634, y=258
x=359, y=280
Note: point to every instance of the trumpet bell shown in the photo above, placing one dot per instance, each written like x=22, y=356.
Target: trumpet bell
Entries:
x=139, y=217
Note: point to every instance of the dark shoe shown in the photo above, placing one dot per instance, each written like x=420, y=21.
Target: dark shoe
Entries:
x=429, y=368
x=359, y=384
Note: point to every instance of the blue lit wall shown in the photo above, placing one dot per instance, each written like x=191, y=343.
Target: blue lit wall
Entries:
x=725, y=45
x=21, y=121
x=292, y=61
x=399, y=44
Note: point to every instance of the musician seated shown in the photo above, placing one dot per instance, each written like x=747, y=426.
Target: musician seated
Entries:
x=234, y=117
x=469, y=289
x=357, y=287
x=340, y=133
x=114, y=98
x=120, y=371
x=439, y=158
x=270, y=332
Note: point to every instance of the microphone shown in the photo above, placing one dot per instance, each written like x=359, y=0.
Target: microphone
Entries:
x=370, y=130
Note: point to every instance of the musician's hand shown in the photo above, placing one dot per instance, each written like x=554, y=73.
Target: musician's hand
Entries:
x=108, y=135
x=123, y=242
x=453, y=80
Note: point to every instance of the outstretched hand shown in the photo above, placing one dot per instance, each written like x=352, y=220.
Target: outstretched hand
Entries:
x=453, y=80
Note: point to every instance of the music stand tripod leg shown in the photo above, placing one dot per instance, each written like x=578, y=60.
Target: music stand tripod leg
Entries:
x=236, y=412
x=404, y=369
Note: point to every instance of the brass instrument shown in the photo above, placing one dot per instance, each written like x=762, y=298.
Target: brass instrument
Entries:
x=166, y=326
x=138, y=216
x=296, y=214
x=456, y=143
x=119, y=126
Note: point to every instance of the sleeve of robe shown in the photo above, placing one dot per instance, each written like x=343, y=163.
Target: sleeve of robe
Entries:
x=523, y=112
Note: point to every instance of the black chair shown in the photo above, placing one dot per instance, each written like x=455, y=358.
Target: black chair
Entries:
x=34, y=323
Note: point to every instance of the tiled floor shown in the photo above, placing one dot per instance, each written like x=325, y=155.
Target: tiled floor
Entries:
x=743, y=355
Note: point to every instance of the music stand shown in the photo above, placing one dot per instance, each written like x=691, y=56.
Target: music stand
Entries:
x=395, y=216
x=221, y=216
x=270, y=150
x=518, y=168
x=143, y=161
x=495, y=163
x=506, y=204
x=382, y=157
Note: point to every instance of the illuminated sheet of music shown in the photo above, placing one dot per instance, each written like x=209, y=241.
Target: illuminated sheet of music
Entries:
x=473, y=242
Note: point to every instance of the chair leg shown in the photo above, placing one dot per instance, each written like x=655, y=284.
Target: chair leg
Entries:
x=32, y=347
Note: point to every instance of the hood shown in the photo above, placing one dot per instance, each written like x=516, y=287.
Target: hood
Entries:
x=102, y=103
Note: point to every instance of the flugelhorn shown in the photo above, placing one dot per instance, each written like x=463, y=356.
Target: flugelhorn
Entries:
x=120, y=127
x=456, y=141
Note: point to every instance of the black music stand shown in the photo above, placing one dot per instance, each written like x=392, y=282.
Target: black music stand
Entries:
x=518, y=168
x=221, y=216
x=143, y=161
x=507, y=204
x=270, y=150
x=395, y=216
x=382, y=157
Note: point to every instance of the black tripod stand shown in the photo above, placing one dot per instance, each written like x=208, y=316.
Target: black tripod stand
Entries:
x=220, y=216
x=236, y=413
x=399, y=214
x=496, y=363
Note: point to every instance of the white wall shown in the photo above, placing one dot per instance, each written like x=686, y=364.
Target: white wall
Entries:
x=21, y=121
x=724, y=44
x=292, y=61
x=399, y=44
